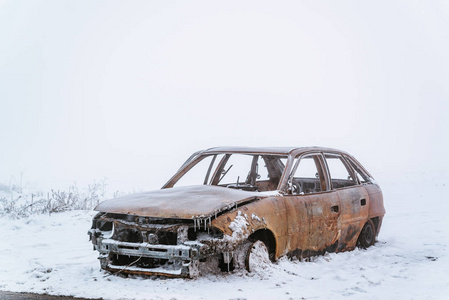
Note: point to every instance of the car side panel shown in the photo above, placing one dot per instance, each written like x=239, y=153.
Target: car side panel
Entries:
x=267, y=213
x=298, y=223
x=376, y=208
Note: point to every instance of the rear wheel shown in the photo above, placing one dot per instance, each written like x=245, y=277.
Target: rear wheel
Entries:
x=367, y=236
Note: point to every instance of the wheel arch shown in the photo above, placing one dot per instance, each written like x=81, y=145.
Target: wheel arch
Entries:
x=266, y=236
x=374, y=223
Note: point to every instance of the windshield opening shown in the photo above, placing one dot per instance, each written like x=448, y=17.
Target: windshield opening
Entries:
x=250, y=172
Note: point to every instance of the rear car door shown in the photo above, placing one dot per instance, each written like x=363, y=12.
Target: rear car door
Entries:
x=354, y=200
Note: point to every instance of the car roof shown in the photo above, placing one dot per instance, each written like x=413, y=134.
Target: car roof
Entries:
x=270, y=150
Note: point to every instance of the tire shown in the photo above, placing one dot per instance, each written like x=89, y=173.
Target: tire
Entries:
x=367, y=236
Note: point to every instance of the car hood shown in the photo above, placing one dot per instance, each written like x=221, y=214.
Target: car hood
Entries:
x=198, y=201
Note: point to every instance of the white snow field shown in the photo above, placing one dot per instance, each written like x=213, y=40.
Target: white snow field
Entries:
x=51, y=254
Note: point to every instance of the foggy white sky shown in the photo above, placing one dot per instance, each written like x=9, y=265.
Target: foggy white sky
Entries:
x=128, y=89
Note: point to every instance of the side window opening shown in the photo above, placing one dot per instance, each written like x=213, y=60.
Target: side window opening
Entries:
x=306, y=176
x=341, y=174
x=362, y=177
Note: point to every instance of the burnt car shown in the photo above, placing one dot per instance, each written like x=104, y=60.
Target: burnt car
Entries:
x=232, y=207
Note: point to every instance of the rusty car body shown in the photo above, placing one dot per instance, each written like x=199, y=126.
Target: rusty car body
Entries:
x=222, y=201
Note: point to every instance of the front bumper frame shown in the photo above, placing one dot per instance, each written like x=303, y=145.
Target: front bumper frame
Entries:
x=182, y=260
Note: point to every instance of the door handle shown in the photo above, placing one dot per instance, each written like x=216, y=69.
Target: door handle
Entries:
x=362, y=202
x=334, y=208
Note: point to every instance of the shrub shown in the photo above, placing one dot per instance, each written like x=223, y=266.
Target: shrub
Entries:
x=16, y=203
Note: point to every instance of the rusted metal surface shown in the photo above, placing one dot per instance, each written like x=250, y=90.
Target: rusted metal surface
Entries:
x=178, y=202
x=172, y=231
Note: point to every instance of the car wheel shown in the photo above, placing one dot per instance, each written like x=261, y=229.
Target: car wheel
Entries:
x=257, y=257
x=367, y=236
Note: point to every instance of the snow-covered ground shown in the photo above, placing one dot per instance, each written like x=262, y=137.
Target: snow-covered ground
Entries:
x=51, y=254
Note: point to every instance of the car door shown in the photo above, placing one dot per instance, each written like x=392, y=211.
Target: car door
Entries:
x=354, y=199
x=312, y=208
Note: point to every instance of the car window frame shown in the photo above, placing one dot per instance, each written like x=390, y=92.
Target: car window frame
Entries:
x=347, y=165
x=358, y=168
x=324, y=174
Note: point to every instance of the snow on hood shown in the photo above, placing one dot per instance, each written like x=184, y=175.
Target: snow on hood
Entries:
x=179, y=202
